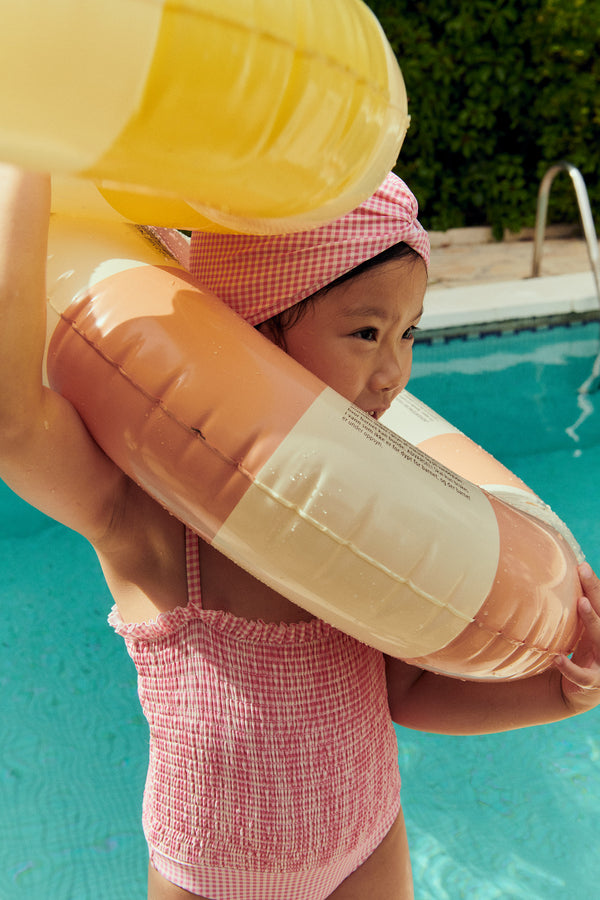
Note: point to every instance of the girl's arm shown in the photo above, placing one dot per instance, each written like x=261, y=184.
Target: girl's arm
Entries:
x=434, y=703
x=46, y=454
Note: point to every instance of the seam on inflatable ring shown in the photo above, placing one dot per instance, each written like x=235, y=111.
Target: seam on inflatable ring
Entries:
x=197, y=434
x=343, y=542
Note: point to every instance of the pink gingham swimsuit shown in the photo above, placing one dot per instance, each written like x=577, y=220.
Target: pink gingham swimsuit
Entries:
x=273, y=760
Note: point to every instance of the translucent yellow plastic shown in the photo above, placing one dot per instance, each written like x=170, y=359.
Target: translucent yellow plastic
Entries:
x=259, y=115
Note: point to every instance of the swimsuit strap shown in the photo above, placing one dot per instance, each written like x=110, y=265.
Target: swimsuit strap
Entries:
x=192, y=558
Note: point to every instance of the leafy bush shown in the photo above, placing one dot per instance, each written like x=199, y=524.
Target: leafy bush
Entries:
x=499, y=90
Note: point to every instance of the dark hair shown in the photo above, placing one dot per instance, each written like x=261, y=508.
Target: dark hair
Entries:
x=278, y=325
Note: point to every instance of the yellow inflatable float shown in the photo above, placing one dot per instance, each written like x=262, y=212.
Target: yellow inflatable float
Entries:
x=259, y=115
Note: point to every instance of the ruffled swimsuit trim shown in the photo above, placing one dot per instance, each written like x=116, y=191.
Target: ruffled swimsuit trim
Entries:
x=237, y=628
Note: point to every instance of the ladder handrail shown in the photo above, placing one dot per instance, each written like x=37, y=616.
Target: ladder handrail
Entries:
x=585, y=212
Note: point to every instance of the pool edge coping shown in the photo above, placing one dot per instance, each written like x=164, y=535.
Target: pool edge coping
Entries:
x=505, y=305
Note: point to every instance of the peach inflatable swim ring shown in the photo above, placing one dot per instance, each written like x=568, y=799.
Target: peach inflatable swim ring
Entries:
x=342, y=515
x=263, y=116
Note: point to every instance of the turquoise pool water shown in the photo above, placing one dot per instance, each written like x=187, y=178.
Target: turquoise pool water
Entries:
x=503, y=816
x=515, y=815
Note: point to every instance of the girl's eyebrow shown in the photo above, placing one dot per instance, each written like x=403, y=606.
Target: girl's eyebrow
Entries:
x=364, y=311
x=368, y=311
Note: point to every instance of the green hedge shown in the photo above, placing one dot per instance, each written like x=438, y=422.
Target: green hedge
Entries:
x=498, y=92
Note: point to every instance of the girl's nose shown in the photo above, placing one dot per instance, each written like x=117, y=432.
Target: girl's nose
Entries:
x=392, y=372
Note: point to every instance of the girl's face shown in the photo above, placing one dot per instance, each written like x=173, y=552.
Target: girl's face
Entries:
x=358, y=336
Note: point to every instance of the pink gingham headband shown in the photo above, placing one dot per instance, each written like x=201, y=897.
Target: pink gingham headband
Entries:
x=259, y=276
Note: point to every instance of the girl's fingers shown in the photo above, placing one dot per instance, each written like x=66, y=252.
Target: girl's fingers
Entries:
x=587, y=612
x=591, y=585
x=584, y=678
x=583, y=671
x=590, y=641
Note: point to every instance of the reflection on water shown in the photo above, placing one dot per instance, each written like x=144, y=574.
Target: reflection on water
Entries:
x=514, y=815
x=585, y=400
x=73, y=743
x=530, y=389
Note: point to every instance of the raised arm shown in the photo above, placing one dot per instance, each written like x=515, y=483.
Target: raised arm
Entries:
x=46, y=454
x=434, y=703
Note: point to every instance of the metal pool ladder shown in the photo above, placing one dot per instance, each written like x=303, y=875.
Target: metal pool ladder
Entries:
x=584, y=211
x=592, y=383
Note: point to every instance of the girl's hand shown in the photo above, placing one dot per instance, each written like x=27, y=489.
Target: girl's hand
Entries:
x=581, y=674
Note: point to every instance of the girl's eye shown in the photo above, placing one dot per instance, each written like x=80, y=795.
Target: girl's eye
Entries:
x=410, y=333
x=366, y=334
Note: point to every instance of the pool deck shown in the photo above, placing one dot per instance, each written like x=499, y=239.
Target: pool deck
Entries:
x=477, y=284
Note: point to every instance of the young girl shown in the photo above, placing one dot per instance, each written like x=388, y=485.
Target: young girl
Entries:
x=273, y=760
